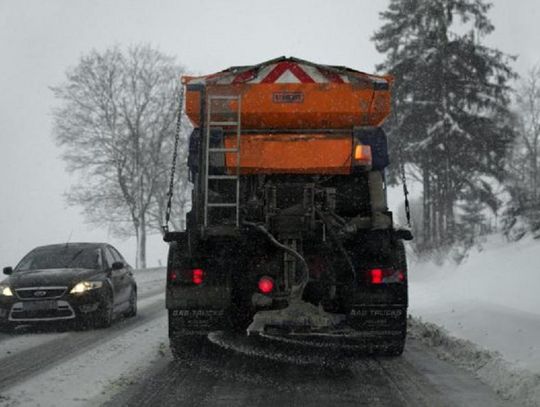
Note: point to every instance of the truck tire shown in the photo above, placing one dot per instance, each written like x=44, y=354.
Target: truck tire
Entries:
x=186, y=348
x=239, y=314
x=395, y=347
x=389, y=333
x=395, y=344
x=184, y=345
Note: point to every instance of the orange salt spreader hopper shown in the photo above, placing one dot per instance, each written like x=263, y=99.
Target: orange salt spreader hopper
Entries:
x=296, y=116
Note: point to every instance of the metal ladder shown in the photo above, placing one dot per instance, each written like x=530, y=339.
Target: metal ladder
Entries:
x=222, y=150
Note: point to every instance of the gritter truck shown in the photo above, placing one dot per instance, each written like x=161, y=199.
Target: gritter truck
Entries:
x=289, y=233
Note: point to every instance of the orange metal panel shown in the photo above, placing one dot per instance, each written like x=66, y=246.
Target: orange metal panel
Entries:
x=297, y=105
x=294, y=154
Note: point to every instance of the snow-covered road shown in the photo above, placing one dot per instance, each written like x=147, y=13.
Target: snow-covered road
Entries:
x=226, y=378
x=490, y=305
x=130, y=364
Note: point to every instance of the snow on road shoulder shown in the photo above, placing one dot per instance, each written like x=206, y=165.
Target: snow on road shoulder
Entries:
x=491, y=300
x=143, y=276
x=501, y=272
x=13, y=344
x=149, y=279
x=512, y=383
x=94, y=376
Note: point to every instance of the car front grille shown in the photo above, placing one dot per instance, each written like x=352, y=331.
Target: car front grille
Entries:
x=38, y=293
x=60, y=310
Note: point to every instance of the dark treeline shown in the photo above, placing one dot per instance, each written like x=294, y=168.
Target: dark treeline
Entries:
x=454, y=124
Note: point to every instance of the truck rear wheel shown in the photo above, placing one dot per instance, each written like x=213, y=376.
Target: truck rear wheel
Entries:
x=395, y=347
x=381, y=312
x=240, y=313
x=186, y=347
x=380, y=334
x=184, y=344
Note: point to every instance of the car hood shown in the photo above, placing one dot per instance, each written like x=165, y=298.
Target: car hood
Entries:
x=50, y=277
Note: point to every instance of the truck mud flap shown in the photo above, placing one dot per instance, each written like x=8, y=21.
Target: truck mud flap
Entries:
x=387, y=320
x=188, y=321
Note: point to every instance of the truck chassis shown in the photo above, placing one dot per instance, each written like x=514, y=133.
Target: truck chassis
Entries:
x=263, y=240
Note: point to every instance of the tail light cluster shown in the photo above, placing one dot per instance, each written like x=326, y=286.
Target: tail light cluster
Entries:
x=194, y=276
x=385, y=275
x=266, y=285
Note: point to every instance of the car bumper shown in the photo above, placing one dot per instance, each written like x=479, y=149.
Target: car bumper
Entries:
x=67, y=307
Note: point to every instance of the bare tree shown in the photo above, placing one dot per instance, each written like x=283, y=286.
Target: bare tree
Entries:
x=529, y=112
x=116, y=123
x=522, y=176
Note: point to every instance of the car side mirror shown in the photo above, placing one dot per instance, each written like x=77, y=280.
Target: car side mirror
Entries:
x=8, y=270
x=117, y=265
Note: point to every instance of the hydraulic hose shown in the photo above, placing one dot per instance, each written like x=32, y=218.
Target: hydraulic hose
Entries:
x=298, y=289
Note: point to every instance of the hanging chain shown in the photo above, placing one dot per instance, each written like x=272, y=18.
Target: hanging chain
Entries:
x=165, y=227
x=405, y=190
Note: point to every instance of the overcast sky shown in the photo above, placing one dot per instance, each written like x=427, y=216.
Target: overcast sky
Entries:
x=40, y=39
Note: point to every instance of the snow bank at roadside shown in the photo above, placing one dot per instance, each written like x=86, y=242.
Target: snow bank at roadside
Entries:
x=149, y=274
x=150, y=279
x=510, y=382
x=500, y=272
x=489, y=309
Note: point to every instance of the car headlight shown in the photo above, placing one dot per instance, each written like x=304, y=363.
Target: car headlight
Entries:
x=5, y=291
x=84, y=286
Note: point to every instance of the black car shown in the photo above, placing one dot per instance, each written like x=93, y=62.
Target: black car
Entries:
x=90, y=283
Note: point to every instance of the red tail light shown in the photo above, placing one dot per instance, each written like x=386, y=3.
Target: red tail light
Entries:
x=197, y=276
x=186, y=276
x=383, y=276
x=266, y=285
x=376, y=276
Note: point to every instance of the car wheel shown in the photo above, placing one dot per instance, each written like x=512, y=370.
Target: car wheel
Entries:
x=132, y=311
x=104, y=314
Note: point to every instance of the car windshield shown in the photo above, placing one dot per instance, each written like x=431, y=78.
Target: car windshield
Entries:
x=60, y=257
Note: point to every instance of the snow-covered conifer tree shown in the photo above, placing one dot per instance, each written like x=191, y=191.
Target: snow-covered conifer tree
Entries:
x=451, y=100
